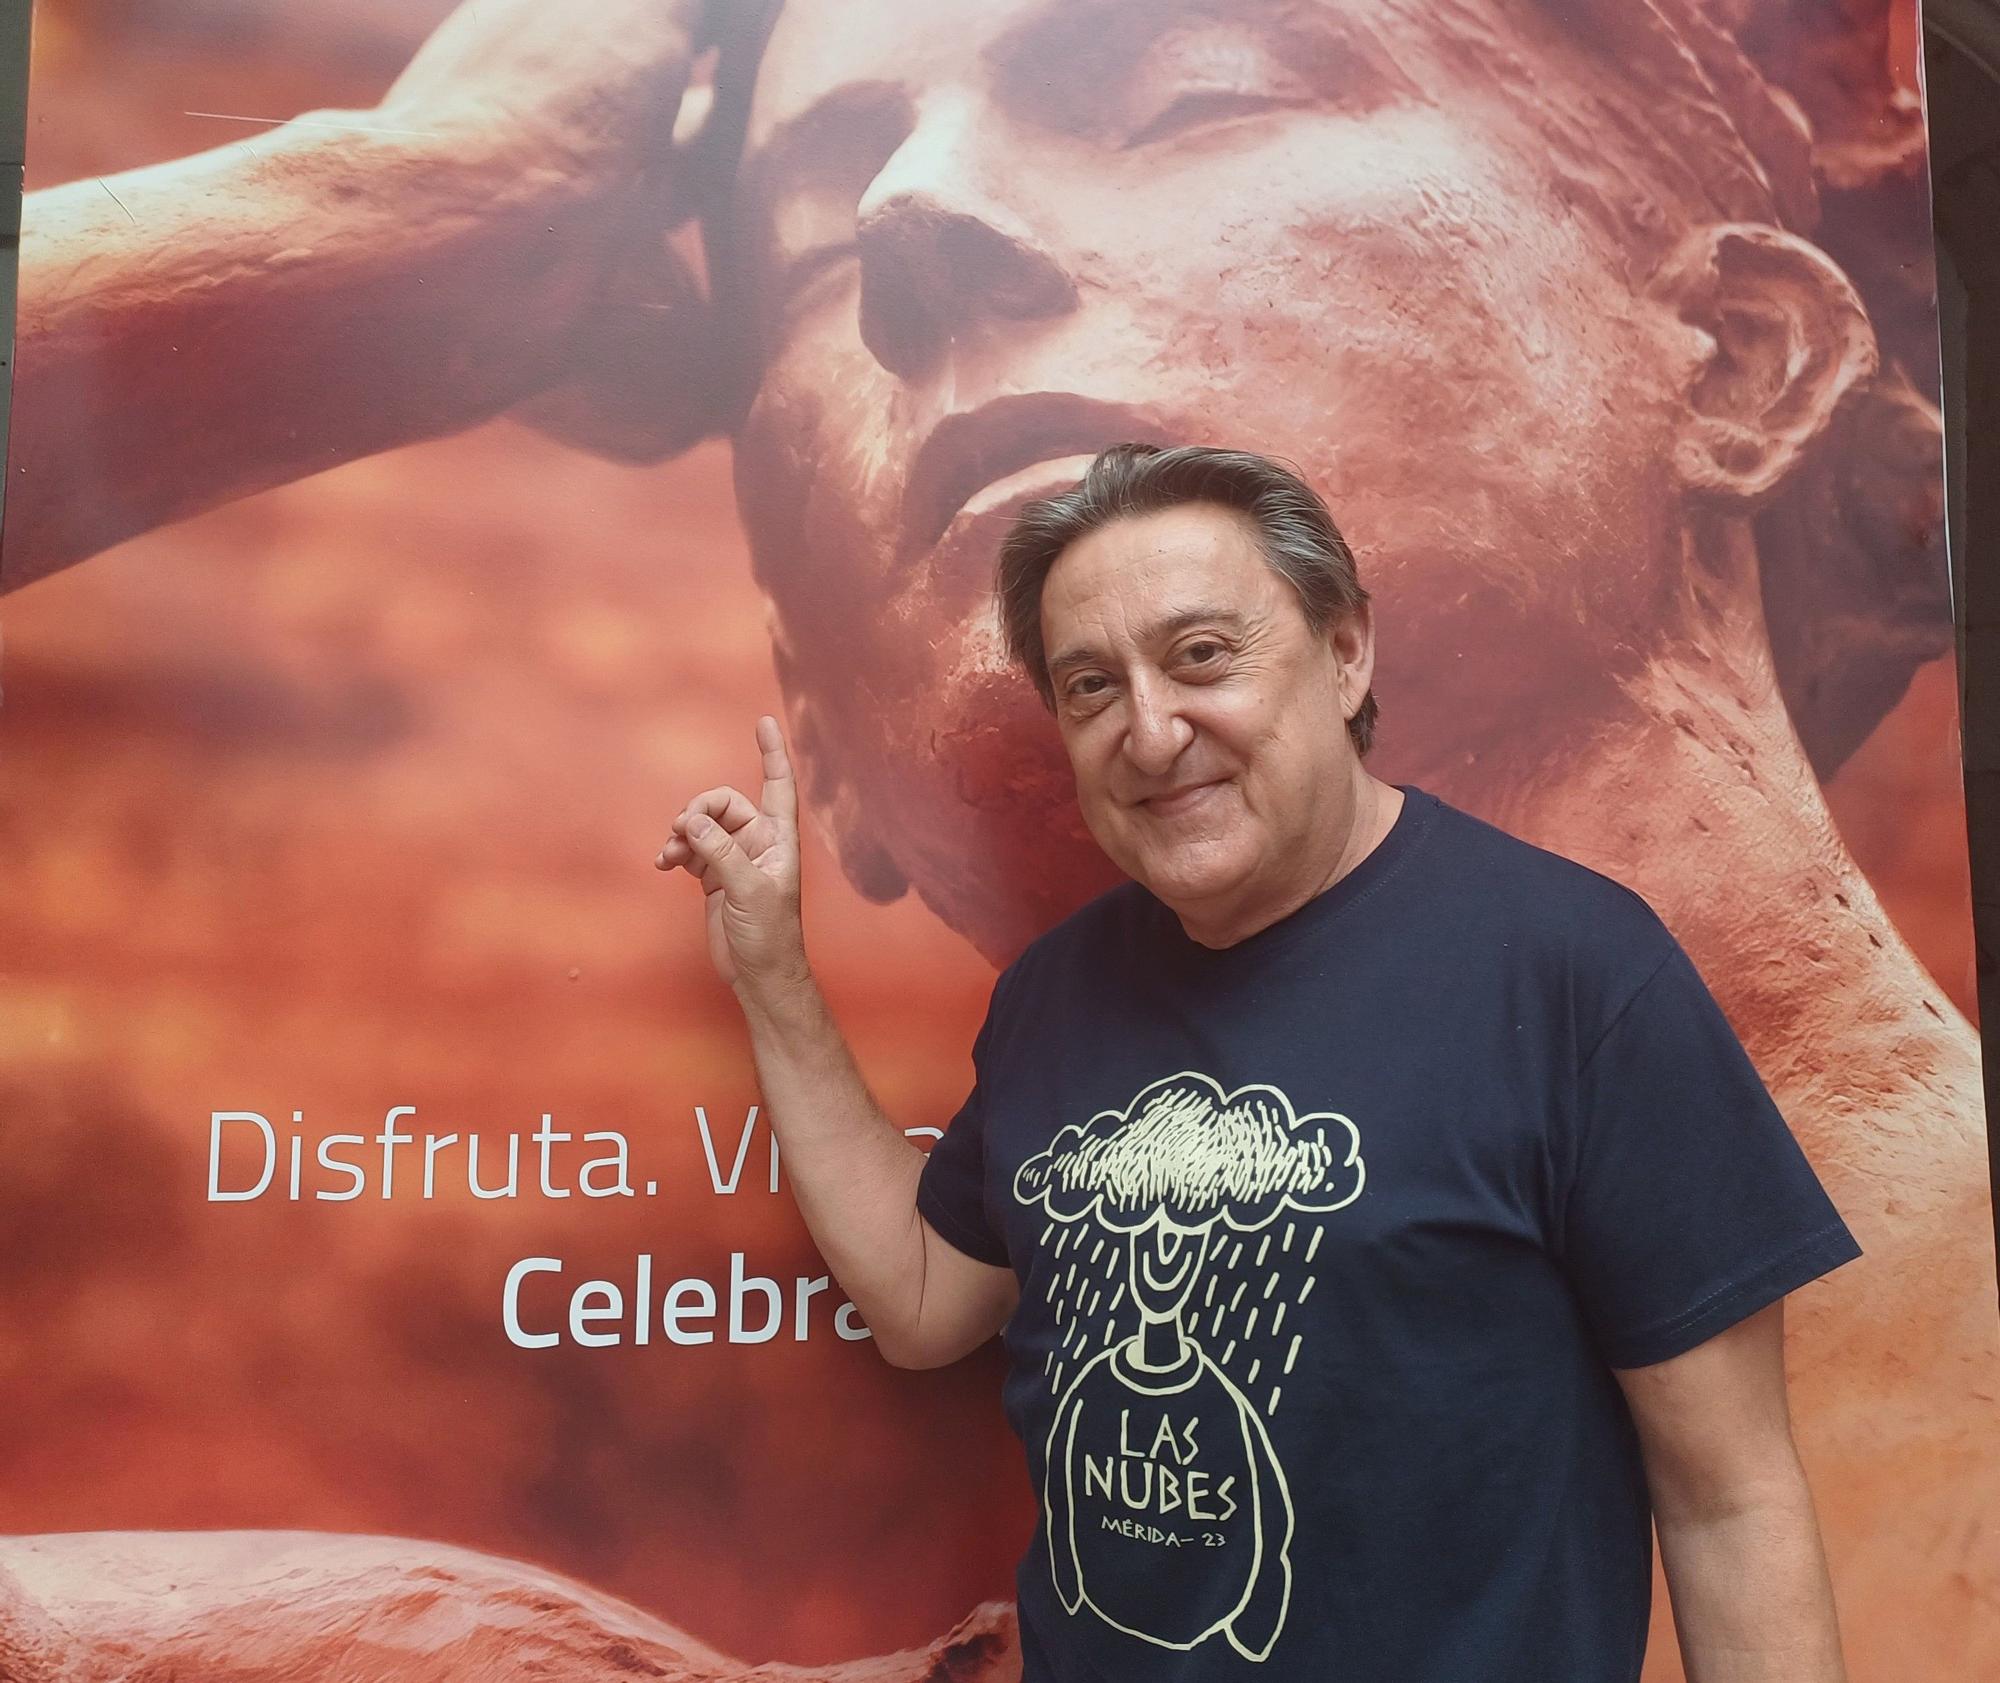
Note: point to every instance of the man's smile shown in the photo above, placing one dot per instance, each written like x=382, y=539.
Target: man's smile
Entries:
x=1174, y=803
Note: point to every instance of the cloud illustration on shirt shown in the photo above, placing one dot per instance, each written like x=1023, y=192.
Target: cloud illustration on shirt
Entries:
x=1186, y=1151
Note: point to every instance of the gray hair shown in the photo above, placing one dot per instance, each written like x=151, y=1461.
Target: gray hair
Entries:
x=1298, y=535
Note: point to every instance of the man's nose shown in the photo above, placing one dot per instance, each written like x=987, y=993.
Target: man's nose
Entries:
x=1156, y=732
x=942, y=254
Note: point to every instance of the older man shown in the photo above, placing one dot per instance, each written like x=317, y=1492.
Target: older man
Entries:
x=1351, y=1184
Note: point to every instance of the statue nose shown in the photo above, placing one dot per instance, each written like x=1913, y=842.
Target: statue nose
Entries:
x=933, y=272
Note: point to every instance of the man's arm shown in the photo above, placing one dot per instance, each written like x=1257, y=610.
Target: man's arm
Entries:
x=855, y=1177
x=852, y=1170
x=1738, y=1537
x=350, y=281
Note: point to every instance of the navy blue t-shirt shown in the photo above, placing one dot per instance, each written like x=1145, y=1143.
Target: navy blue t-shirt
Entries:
x=1328, y=1243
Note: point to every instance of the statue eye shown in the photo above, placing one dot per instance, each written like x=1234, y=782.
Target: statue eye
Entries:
x=1200, y=106
x=1190, y=79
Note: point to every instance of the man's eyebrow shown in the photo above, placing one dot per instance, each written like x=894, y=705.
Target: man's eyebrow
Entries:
x=1154, y=631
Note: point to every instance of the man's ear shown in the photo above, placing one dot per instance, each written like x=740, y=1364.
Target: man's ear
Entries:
x=1352, y=637
x=1786, y=344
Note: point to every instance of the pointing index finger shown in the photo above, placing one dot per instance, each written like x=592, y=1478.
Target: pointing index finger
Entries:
x=780, y=798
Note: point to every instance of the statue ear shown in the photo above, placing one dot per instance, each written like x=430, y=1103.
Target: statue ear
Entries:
x=1786, y=344
x=834, y=805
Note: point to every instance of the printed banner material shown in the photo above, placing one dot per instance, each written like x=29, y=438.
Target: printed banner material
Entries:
x=441, y=430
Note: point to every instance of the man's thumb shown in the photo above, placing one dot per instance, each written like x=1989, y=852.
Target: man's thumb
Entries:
x=727, y=863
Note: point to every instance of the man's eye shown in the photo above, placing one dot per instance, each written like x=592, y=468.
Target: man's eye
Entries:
x=1202, y=654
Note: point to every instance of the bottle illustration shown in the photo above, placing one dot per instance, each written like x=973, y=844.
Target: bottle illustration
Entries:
x=1167, y=1510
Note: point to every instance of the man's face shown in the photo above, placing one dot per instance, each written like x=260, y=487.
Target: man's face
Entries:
x=984, y=238
x=1202, y=715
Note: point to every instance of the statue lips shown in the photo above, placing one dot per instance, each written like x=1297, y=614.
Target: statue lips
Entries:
x=966, y=452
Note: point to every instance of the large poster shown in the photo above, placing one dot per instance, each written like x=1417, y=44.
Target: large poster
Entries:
x=440, y=431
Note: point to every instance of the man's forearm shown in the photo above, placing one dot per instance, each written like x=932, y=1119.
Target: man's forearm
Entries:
x=204, y=328
x=1751, y=1597
x=851, y=1169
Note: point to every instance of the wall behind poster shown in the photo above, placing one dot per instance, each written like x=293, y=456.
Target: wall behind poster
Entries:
x=342, y=796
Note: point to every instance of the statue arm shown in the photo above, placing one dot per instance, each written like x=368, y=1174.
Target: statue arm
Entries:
x=349, y=281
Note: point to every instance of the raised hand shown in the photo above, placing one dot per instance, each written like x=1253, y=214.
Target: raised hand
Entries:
x=746, y=857
x=595, y=100
x=569, y=118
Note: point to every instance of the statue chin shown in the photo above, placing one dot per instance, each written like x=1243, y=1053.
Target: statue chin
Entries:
x=260, y=1604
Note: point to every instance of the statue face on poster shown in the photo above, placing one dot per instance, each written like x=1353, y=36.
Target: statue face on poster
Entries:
x=978, y=240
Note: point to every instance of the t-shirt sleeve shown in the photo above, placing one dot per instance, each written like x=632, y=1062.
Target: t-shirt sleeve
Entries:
x=1688, y=1204
x=951, y=1194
